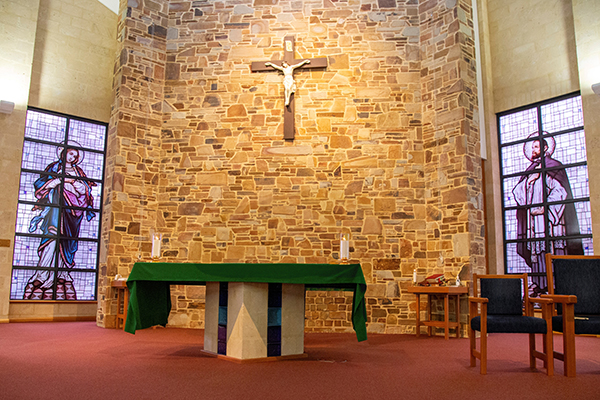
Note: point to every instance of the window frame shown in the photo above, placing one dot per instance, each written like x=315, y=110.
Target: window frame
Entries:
x=56, y=265
x=548, y=239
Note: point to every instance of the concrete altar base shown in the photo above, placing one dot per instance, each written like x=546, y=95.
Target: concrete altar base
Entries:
x=252, y=327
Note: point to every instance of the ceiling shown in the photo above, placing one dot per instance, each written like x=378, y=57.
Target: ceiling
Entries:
x=113, y=5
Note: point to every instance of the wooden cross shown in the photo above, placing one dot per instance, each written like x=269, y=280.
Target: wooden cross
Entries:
x=290, y=58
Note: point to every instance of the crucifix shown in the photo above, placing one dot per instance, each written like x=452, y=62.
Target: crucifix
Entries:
x=287, y=67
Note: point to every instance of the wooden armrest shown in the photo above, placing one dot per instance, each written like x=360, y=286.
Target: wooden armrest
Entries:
x=478, y=300
x=474, y=307
x=547, y=307
x=561, y=298
x=540, y=300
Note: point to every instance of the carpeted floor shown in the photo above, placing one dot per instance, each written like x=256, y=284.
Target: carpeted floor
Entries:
x=78, y=360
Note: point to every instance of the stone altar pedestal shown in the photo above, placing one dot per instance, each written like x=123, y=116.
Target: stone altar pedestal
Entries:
x=247, y=321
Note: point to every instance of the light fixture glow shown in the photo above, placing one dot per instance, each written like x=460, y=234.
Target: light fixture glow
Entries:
x=6, y=107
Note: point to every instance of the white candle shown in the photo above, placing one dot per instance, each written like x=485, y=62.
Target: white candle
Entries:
x=156, y=239
x=344, y=246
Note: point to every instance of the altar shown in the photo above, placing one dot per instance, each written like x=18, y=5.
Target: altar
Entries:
x=253, y=311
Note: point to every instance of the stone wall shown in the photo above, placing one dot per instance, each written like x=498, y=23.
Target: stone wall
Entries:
x=386, y=145
x=134, y=151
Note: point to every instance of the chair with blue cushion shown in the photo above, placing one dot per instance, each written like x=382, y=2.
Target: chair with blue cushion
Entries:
x=499, y=309
x=575, y=289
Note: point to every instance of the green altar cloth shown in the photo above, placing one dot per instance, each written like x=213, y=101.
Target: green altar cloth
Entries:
x=149, y=286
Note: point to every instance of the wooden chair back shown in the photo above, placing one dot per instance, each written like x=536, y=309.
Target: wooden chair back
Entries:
x=583, y=282
x=498, y=308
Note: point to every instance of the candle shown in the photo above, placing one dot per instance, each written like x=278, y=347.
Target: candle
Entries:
x=156, y=239
x=344, y=246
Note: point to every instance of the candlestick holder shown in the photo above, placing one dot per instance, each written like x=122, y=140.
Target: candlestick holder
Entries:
x=156, y=242
x=344, y=248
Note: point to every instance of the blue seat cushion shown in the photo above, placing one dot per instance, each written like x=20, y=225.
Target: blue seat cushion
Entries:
x=589, y=326
x=511, y=324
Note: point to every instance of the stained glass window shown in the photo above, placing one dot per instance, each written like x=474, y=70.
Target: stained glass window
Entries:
x=58, y=215
x=546, y=204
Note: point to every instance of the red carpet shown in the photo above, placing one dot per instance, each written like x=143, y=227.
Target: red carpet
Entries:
x=78, y=360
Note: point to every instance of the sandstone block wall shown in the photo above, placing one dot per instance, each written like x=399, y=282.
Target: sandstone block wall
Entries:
x=386, y=145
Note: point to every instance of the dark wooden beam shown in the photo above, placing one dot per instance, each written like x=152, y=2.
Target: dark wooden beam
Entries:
x=289, y=129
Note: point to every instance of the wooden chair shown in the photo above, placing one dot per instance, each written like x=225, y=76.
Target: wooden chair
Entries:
x=501, y=302
x=575, y=289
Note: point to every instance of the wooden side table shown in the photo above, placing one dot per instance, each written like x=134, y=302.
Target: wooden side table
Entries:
x=445, y=291
x=122, y=301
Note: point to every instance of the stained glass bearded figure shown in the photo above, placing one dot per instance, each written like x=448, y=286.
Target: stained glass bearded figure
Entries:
x=531, y=224
x=49, y=189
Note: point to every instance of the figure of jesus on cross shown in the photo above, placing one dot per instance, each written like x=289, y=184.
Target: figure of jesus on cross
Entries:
x=289, y=86
x=288, y=65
